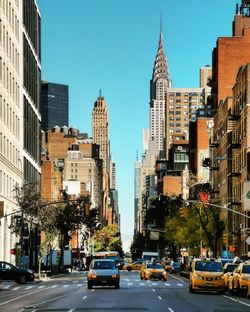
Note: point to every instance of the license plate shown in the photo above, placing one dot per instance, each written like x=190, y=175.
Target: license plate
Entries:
x=209, y=285
x=104, y=282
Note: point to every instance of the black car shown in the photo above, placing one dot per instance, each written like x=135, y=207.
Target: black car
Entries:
x=10, y=272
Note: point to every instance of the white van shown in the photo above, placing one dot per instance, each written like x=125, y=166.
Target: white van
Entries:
x=150, y=255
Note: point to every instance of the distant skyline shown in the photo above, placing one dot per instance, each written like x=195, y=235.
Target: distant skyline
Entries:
x=111, y=45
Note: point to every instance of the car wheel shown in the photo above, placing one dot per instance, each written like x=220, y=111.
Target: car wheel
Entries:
x=117, y=286
x=141, y=277
x=89, y=285
x=191, y=288
x=129, y=268
x=22, y=279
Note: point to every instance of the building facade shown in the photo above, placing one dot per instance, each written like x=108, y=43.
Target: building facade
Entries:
x=181, y=107
x=19, y=108
x=54, y=105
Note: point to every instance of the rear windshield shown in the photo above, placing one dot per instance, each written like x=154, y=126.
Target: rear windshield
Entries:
x=246, y=269
x=208, y=266
x=102, y=265
x=230, y=267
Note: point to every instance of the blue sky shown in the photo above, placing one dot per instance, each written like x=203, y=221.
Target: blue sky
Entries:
x=111, y=45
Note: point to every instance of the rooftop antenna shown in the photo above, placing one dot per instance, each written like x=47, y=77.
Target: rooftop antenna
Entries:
x=161, y=23
x=137, y=155
x=100, y=92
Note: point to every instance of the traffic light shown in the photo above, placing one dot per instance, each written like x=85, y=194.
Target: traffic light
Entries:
x=13, y=251
x=225, y=239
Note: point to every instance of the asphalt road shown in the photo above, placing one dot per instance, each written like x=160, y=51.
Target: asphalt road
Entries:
x=69, y=293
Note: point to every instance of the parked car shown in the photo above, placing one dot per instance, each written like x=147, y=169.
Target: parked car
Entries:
x=228, y=269
x=9, y=271
x=240, y=278
x=103, y=272
x=175, y=267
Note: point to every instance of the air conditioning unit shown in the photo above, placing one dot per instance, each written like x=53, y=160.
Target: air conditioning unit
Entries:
x=179, y=148
x=241, y=226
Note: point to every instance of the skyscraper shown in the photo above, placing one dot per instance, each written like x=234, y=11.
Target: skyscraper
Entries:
x=100, y=129
x=19, y=108
x=54, y=105
x=158, y=84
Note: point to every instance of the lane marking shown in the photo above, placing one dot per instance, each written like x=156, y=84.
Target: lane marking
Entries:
x=171, y=310
x=154, y=284
x=55, y=298
x=177, y=278
x=92, y=290
x=166, y=284
x=237, y=300
x=65, y=285
x=54, y=286
x=178, y=284
x=29, y=287
x=130, y=284
x=79, y=285
x=6, y=287
x=142, y=284
x=153, y=289
x=84, y=297
x=40, y=287
x=159, y=297
x=16, y=288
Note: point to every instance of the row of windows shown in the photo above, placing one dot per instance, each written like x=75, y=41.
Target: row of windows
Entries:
x=7, y=185
x=9, y=47
x=8, y=150
x=9, y=82
x=9, y=117
x=9, y=12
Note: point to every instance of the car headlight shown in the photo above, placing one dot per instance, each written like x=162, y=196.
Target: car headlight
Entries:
x=164, y=272
x=245, y=278
x=198, y=277
x=92, y=275
x=30, y=271
x=147, y=272
x=115, y=276
x=219, y=278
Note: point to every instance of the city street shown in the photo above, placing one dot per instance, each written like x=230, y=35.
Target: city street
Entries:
x=70, y=293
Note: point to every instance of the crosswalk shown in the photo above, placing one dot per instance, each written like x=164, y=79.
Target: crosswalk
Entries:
x=77, y=284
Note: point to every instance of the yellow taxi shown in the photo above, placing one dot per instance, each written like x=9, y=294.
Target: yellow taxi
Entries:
x=168, y=265
x=153, y=270
x=240, y=278
x=206, y=274
x=136, y=265
x=248, y=290
x=228, y=269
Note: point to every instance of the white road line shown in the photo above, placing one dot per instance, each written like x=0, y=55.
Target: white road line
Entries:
x=142, y=284
x=92, y=290
x=177, y=278
x=84, y=297
x=154, y=284
x=29, y=287
x=40, y=287
x=6, y=287
x=65, y=285
x=74, y=282
x=56, y=298
x=171, y=310
x=54, y=286
x=79, y=285
x=153, y=289
x=237, y=300
x=16, y=288
x=166, y=284
x=159, y=297
x=130, y=284
x=178, y=284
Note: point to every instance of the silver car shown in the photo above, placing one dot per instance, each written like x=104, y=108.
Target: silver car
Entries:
x=103, y=272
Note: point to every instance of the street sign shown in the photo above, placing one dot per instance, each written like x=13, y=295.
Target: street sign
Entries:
x=248, y=240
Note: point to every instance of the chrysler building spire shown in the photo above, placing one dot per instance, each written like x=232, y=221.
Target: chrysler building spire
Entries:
x=158, y=84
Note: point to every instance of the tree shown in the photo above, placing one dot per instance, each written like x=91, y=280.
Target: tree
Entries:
x=109, y=238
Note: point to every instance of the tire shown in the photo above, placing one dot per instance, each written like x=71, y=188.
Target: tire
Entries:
x=89, y=285
x=191, y=288
x=141, y=277
x=22, y=279
x=129, y=268
x=117, y=286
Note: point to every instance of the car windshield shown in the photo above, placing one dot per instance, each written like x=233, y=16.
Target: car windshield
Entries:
x=104, y=265
x=246, y=269
x=168, y=262
x=154, y=266
x=208, y=266
x=230, y=267
x=176, y=264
